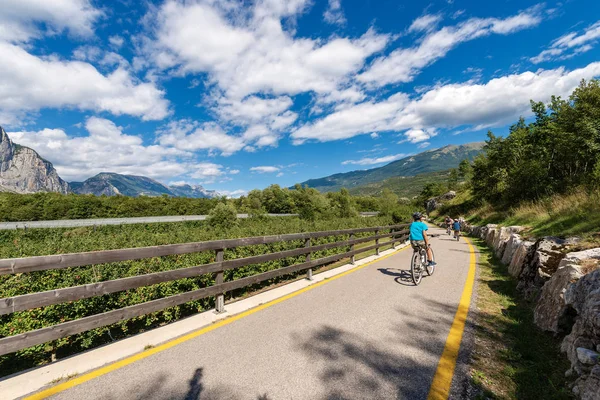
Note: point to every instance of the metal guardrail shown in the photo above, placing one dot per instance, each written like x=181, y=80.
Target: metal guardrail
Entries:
x=74, y=223
x=11, y=266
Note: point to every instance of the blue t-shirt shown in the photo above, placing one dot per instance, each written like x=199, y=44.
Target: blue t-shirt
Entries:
x=416, y=230
x=457, y=226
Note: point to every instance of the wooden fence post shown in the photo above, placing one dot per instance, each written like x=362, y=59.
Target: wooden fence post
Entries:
x=377, y=243
x=352, y=258
x=220, y=298
x=309, y=273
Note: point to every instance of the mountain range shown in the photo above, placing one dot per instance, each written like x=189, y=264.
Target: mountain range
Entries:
x=429, y=161
x=23, y=170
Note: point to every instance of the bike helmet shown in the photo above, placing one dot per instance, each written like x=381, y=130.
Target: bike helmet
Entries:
x=417, y=215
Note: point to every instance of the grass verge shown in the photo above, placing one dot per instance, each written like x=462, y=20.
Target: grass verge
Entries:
x=512, y=358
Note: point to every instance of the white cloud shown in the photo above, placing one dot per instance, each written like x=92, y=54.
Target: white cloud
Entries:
x=424, y=145
x=334, y=13
x=425, y=23
x=363, y=118
x=279, y=175
x=373, y=161
x=248, y=51
x=265, y=169
x=30, y=83
x=105, y=149
x=495, y=103
x=570, y=44
x=252, y=109
x=403, y=64
x=374, y=135
x=234, y=171
x=116, y=41
x=206, y=172
x=21, y=20
x=187, y=135
x=419, y=135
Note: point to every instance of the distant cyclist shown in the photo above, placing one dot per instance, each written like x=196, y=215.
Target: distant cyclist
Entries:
x=418, y=236
x=456, y=228
x=448, y=221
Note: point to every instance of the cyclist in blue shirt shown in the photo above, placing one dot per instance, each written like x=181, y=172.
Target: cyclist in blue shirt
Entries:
x=418, y=236
x=456, y=227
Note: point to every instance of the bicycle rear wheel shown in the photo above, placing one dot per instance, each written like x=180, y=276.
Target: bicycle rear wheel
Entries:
x=430, y=268
x=416, y=271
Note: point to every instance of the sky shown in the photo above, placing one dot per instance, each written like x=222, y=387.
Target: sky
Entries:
x=236, y=95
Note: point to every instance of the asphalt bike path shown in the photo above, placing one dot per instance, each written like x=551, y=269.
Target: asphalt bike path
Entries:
x=370, y=334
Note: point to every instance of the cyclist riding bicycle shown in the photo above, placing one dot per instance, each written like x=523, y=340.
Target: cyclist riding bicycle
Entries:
x=456, y=228
x=448, y=221
x=418, y=236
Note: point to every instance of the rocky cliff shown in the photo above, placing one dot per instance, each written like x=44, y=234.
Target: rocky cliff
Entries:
x=22, y=170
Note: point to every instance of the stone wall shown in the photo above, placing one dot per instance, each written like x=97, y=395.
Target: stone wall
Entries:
x=564, y=287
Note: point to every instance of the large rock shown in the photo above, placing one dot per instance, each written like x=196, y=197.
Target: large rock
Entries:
x=552, y=313
x=522, y=253
x=584, y=298
x=512, y=244
x=491, y=234
x=501, y=239
x=541, y=265
x=436, y=202
x=22, y=170
x=589, y=388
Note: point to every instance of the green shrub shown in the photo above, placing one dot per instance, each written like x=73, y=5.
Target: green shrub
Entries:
x=223, y=216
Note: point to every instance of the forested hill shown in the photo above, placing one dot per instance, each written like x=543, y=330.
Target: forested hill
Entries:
x=429, y=161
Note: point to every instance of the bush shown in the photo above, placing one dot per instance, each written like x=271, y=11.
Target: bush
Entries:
x=223, y=216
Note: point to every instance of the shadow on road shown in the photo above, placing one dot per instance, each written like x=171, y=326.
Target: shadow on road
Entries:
x=399, y=363
x=402, y=276
x=160, y=390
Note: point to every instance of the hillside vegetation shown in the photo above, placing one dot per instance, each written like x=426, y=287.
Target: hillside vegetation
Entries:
x=429, y=161
x=545, y=175
x=405, y=187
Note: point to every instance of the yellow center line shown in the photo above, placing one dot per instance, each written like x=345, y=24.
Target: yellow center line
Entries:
x=442, y=380
x=167, y=345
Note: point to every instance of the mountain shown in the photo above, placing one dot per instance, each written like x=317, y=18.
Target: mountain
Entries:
x=193, y=191
x=429, y=161
x=22, y=170
x=111, y=184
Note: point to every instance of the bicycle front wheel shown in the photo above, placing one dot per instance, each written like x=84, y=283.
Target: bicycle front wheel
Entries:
x=430, y=268
x=416, y=271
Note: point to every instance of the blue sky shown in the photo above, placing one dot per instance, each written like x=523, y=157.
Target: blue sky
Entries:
x=236, y=95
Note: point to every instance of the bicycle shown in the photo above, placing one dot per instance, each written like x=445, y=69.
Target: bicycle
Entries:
x=419, y=259
x=449, y=229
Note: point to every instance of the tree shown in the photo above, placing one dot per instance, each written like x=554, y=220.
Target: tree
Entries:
x=453, y=179
x=342, y=204
x=465, y=170
x=388, y=202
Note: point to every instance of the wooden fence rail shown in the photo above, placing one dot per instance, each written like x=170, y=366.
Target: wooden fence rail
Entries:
x=57, y=296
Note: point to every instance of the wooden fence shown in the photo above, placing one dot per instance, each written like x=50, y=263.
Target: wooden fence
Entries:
x=397, y=233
